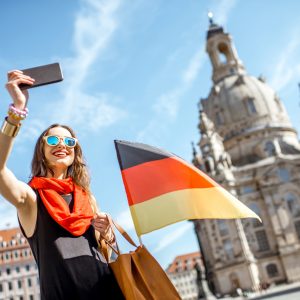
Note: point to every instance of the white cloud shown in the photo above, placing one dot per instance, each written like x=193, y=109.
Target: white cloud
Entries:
x=29, y=133
x=95, y=25
x=166, y=106
x=125, y=220
x=194, y=66
x=222, y=10
x=153, y=130
x=172, y=237
x=167, y=103
x=94, y=112
x=285, y=69
x=32, y=130
x=94, y=29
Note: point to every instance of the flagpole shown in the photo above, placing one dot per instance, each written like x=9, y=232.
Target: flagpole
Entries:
x=140, y=240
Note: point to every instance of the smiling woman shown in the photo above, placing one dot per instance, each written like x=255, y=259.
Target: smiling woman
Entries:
x=57, y=151
x=56, y=210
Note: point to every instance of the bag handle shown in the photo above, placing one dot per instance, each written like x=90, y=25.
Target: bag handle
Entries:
x=122, y=231
x=104, y=243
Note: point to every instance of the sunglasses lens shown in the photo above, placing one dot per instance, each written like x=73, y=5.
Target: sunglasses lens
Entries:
x=70, y=142
x=52, y=140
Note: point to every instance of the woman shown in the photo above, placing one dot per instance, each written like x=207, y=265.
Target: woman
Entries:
x=56, y=209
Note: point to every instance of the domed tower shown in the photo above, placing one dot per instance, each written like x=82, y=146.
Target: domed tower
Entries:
x=223, y=241
x=244, y=108
x=250, y=147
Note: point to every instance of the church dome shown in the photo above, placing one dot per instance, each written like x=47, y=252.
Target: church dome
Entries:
x=240, y=104
x=245, y=111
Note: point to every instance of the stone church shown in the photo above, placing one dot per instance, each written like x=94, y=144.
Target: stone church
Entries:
x=250, y=147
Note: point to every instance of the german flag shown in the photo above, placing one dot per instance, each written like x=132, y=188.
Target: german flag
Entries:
x=163, y=189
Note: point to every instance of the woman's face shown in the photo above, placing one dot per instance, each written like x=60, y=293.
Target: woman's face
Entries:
x=59, y=156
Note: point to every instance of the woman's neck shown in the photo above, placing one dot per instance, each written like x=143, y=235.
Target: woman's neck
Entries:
x=58, y=174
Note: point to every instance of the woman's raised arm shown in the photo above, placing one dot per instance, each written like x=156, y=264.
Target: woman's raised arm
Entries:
x=13, y=190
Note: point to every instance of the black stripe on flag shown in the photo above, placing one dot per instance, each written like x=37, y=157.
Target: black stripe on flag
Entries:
x=132, y=154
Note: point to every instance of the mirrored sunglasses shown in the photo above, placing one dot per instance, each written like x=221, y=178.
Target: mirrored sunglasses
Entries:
x=53, y=140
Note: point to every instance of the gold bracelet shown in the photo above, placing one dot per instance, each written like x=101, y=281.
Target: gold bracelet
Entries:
x=10, y=129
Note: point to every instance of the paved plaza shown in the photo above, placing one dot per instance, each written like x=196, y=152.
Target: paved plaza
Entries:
x=290, y=296
x=284, y=292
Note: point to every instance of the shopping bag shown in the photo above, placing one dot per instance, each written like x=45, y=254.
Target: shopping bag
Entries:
x=138, y=274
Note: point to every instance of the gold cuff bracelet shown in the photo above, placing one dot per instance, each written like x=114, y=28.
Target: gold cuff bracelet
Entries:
x=10, y=129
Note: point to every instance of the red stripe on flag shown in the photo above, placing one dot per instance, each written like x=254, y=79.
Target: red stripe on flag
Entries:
x=154, y=178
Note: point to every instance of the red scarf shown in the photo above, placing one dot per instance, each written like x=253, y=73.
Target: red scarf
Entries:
x=51, y=189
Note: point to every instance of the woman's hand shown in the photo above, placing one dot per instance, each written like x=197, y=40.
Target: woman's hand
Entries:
x=102, y=225
x=19, y=97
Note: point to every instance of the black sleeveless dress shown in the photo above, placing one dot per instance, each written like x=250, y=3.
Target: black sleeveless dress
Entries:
x=69, y=267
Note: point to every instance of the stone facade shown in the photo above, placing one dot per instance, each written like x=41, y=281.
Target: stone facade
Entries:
x=183, y=274
x=249, y=146
x=18, y=271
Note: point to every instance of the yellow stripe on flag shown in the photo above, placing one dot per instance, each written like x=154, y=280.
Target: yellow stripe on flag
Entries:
x=204, y=203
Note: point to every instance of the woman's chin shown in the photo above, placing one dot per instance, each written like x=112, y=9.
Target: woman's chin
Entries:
x=60, y=163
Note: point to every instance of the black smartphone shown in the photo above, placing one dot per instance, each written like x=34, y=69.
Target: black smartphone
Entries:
x=43, y=75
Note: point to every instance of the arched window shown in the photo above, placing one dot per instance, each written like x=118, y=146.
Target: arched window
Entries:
x=293, y=204
x=270, y=148
x=262, y=240
x=272, y=270
x=228, y=249
x=205, y=148
x=256, y=209
x=26, y=253
x=209, y=164
x=234, y=278
x=219, y=118
x=297, y=227
x=251, y=106
x=284, y=174
x=223, y=228
x=223, y=53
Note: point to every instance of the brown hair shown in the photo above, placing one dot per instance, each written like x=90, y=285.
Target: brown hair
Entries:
x=78, y=170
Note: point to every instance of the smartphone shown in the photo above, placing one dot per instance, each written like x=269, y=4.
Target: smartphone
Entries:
x=43, y=75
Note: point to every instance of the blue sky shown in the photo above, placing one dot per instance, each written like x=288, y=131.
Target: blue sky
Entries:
x=135, y=70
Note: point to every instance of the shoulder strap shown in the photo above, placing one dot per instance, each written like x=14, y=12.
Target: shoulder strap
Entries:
x=122, y=231
x=104, y=243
